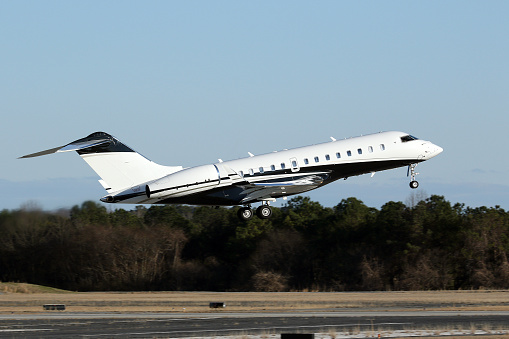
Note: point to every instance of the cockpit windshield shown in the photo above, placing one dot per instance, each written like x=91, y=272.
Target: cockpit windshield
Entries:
x=408, y=138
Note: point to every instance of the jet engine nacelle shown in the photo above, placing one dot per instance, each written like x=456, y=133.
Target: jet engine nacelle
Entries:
x=184, y=182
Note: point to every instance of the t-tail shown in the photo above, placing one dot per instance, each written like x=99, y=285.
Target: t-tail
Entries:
x=119, y=166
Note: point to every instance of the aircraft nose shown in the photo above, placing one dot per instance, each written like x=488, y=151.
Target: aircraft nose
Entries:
x=434, y=150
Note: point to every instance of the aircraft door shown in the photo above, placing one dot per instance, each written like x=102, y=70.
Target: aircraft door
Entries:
x=294, y=165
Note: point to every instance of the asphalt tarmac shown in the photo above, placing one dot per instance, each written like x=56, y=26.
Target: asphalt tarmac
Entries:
x=181, y=325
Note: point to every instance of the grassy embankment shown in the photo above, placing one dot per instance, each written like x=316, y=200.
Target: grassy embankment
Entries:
x=21, y=298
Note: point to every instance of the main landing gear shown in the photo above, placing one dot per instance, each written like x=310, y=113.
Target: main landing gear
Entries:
x=411, y=172
x=263, y=212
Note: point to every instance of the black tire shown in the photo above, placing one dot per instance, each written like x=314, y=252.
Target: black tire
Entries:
x=414, y=184
x=264, y=212
x=245, y=213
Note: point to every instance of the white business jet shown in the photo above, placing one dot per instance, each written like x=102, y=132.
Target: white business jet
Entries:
x=130, y=178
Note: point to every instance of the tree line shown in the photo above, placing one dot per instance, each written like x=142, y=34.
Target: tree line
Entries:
x=427, y=245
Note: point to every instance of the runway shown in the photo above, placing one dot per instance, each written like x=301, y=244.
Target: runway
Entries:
x=179, y=325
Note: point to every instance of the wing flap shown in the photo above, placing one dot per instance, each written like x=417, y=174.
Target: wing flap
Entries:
x=268, y=190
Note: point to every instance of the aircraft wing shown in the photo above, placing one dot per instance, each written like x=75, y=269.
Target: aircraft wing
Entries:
x=278, y=187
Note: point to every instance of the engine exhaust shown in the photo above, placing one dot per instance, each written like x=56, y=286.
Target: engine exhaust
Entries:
x=108, y=199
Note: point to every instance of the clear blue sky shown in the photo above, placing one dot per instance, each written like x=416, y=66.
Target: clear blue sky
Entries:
x=187, y=82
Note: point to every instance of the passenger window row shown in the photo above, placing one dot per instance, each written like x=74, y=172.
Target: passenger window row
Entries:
x=316, y=160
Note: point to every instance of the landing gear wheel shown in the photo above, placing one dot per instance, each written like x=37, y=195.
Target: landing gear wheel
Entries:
x=245, y=213
x=264, y=212
x=414, y=184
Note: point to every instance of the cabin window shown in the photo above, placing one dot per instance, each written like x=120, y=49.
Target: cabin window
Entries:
x=272, y=167
x=306, y=161
x=359, y=150
x=370, y=149
x=261, y=169
x=317, y=159
x=349, y=153
x=283, y=166
x=338, y=155
x=382, y=147
x=327, y=157
x=251, y=172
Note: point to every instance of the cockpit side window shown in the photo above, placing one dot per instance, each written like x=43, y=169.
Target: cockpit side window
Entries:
x=408, y=138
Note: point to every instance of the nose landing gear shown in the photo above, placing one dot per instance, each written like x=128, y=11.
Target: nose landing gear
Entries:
x=411, y=172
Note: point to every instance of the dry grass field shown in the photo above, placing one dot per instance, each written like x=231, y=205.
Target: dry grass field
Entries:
x=21, y=298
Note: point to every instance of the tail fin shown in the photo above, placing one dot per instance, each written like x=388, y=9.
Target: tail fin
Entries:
x=118, y=165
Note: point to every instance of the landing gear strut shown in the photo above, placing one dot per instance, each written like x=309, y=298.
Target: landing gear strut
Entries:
x=411, y=171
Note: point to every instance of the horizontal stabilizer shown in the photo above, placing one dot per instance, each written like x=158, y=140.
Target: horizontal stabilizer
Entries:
x=79, y=145
x=38, y=154
x=90, y=142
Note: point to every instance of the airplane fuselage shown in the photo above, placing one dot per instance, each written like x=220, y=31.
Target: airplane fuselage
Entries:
x=279, y=174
